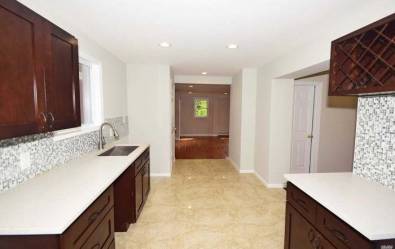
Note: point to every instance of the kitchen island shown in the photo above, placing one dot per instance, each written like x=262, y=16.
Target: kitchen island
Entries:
x=338, y=210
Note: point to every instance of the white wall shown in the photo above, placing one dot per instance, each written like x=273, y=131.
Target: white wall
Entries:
x=203, y=79
x=242, y=120
x=280, y=129
x=337, y=134
x=248, y=111
x=113, y=69
x=235, y=119
x=149, y=91
x=273, y=161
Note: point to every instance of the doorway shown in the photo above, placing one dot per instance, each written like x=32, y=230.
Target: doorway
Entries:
x=323, y=130
x=305, y=126
x=202, y=121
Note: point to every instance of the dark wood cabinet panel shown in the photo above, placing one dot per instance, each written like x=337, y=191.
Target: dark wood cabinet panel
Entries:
x=21, y=71
x=112, y=245
x=77, y=234
x=146, y=180
x=131, y=191
x=302, y=202
x=300, y=234
x=310, y=225
x=103, y=235
x=138, y=182
x=39, y=88
x=363, y=62
x=62, y=81
x=341, y=235
x=93, y=229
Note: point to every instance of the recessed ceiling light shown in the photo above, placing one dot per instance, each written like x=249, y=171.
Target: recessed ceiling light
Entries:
x=204, y=73
x=189, y=92
x=232, y=46
x=226, y=93
x=191, y=86
x=165, y=44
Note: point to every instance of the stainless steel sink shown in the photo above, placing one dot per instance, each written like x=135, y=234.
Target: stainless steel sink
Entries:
x=119, y=151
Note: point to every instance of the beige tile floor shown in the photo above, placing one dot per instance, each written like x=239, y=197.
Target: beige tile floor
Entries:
x=208, y=204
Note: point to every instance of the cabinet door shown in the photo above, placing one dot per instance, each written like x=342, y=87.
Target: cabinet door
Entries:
x=146, y=180
x=138, y=192
x=300, y=234
x=62, y=80
x=21, y=71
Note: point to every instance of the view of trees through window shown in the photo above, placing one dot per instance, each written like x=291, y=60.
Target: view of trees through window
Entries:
x=201, y=107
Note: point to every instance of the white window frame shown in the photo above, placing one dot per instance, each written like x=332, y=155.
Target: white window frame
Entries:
x=97, y=101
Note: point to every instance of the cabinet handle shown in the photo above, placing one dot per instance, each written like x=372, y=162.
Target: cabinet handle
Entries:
x=43, y=118
x=52, y=119
x=97, y=245
x=43, y=121
x=338, y=234
x=317, y=243
x=94, y=216
x=301, y=202
x=311, y=235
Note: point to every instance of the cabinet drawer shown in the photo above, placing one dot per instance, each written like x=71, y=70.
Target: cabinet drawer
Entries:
x=302, y=202
x=339, y=233
x=103, y=235
x=76, y=235
x=300, y=234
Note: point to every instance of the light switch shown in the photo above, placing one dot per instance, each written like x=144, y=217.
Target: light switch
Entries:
x=24, y=160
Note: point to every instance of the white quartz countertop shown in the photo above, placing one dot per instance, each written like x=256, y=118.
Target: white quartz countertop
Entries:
x=52, y=201
x=366, y=206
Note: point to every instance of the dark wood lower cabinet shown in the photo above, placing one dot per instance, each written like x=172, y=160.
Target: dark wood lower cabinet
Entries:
x=301, y=234
x=113, y=211
x=309, y=225
x=138, y=183
x=131, y=191
x=93, y=229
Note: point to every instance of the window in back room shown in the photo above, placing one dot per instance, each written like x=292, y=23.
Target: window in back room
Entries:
x=201, y=107
x=90, y=93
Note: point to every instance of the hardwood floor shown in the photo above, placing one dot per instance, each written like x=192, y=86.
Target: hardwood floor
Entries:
x=202, y=148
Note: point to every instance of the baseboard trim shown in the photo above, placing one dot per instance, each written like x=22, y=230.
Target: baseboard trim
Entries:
x=247, y=171
x=268, y=185
x=160, y=175
x=233, y=163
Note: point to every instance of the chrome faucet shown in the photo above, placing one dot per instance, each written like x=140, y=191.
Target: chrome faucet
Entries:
x=102, y=141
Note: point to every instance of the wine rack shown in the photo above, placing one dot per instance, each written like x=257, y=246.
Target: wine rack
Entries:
x=363, y=62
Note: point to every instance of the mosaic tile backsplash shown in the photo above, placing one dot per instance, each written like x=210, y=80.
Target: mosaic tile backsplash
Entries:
x=374, y=155
x=46, y=153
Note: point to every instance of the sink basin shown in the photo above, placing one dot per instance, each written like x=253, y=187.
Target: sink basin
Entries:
x=119, y=151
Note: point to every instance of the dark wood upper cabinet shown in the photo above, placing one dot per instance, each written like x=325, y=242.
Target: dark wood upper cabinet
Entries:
x=62, y=80
x=363, y=62
x=21, y=71
x=39, y=85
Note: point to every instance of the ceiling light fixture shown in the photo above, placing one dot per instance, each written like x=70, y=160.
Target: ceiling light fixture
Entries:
x=189, y=92
x=204, y=73
x=226, y=93
x=233, y=46
x=165, y=44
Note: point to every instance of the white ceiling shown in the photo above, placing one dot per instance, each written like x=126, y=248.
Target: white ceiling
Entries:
x=199, y=30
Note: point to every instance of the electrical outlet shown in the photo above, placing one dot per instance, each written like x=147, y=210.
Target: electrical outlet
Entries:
x=24, y=160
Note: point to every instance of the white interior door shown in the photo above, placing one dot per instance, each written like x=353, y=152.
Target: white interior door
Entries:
x=302, y=128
